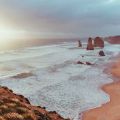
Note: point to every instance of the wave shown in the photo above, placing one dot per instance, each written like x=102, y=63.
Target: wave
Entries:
x=53, y=79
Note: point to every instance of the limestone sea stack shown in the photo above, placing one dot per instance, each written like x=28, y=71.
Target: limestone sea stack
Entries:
x=98, y=42
x=17, y=107
x=90, y=44
x=79, y=43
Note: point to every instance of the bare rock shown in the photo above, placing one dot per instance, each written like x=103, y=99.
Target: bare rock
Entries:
x=88, y=63
x=90, y=44
x=79, y=62
x=101, y=53
x=84, y=63
x=98, y=42
x=113, y=39
x=23, y=75
x=79, y=43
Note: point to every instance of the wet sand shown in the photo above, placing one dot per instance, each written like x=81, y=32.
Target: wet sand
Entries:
x=110, y=110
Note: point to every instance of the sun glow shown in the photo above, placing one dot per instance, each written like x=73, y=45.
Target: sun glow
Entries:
x=6, y=33
x=9, y=36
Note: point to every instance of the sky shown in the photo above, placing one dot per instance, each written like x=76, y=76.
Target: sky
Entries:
x=59, y=18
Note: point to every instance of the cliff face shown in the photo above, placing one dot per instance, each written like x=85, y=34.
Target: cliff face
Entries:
x=113, y=39
x=17, y=107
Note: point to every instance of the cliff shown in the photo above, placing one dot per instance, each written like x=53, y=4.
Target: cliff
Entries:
x=17, y=107
x=113, y=39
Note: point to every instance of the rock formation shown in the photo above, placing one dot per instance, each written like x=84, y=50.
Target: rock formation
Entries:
x=90, y=44
x=79, y=62
x=17, y=107
x=101, y=53
x=79, y=43
x=113, y=39
x=88, y=63
x=84, y=63
x=23, y=75
x=98, y=42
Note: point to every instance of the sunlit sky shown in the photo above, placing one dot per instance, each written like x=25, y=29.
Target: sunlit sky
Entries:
x=59, y=18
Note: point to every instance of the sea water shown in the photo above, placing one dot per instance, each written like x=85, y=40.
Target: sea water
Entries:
x=57, y=81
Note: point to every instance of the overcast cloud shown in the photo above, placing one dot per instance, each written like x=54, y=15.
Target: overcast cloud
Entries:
x=62, y=17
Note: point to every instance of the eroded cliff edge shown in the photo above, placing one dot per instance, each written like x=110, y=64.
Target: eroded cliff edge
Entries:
x=17, y=107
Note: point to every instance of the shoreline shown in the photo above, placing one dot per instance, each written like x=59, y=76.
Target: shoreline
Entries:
x=109, y=110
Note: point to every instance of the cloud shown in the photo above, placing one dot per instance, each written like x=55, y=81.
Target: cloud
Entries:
x=75, y=17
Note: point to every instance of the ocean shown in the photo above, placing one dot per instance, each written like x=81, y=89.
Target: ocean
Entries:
x=48, y=75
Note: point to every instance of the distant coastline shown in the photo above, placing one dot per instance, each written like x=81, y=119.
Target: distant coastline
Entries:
x=32, y=42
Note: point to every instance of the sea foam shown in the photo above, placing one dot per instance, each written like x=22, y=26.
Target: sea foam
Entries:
x=57, y=82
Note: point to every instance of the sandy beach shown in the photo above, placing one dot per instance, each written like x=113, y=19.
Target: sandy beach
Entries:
x=110, y=110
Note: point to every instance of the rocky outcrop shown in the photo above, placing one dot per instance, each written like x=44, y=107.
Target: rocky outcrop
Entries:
x=90, y=44
x=79, y=62
x=88, y=63
x=23, y=75
x=79, y=43
x=98, y=42
x=17, y=107
x=101, y=53
x=113, y=39
x=84, y=63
